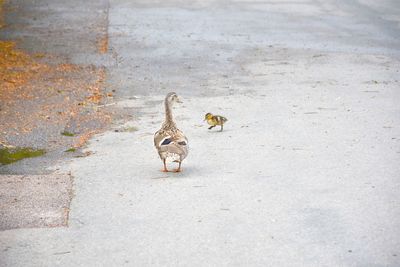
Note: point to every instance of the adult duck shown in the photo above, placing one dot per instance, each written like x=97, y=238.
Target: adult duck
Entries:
x=170, y=142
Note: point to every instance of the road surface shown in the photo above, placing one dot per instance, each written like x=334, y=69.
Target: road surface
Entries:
x=305, y=173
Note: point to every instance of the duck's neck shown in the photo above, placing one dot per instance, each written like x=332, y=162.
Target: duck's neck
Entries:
x=169, y=119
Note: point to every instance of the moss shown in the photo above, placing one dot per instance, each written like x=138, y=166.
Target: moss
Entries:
x=70, y=150
x=10, y=155
x=66, y=133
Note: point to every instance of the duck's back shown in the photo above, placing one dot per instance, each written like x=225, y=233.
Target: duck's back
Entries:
x=171, y=144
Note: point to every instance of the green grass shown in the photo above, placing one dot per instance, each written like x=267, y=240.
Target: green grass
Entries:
x=66, y=133
x=10, y=155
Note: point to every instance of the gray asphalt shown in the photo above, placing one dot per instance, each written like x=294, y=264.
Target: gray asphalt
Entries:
x=34, y=201
x=63, y=33
x=306, y=172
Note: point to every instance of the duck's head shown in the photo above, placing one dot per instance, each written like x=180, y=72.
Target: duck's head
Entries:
x=208, y=116
x=172, y=98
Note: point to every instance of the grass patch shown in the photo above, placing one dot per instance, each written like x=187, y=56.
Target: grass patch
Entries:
x=66, y=133
x=10, y=155
x=71, y=150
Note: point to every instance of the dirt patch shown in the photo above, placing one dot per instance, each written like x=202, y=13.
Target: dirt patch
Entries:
x=16, y=68
x=102, y=44
x=28, y=201
x=39, y=101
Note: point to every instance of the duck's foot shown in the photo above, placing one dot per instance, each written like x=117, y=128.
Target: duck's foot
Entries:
x=164, y=170
x=179, y=167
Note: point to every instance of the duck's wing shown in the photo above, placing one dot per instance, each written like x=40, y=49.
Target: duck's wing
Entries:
x=159, y=137
x=174, y=144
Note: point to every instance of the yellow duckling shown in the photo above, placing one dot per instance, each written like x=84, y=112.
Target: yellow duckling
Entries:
x=215, y=120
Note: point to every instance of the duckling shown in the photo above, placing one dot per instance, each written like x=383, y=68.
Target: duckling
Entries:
x=170, y=142
x=215, y=120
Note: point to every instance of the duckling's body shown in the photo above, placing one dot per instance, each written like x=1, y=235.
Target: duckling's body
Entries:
x=170, y=142
x=215, y=120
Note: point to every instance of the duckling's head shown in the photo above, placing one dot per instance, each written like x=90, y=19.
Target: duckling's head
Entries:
x=172, y=98
x=208, y=116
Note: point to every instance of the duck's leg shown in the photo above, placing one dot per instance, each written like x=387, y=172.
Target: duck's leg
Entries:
x=209, y=128
x=165, y=166
x=179, y=167
x=222, y=128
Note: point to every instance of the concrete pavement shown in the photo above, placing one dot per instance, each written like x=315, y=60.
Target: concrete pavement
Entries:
x=305, y=173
